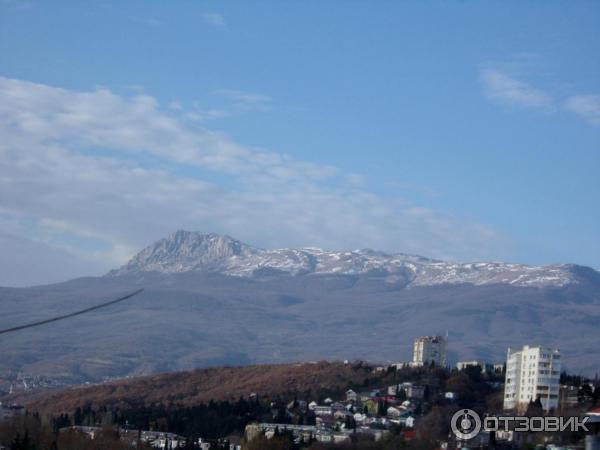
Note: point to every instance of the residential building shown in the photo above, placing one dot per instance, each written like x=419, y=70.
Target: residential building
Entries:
x=351, y=396
x=532, y=373
x=305, y=432
x=451, y=396
x=430, y=349
x=337, y=406
x=485, y=367
x=323, y=410
x=462, y=365
x=394, y=412
x=401, y=365
x=499, y=368
x=411, y=390
x=569, y=396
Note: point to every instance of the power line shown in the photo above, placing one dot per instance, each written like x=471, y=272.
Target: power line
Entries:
x=67, y=316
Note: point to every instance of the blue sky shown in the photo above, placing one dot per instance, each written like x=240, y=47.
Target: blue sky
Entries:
x=458, y=130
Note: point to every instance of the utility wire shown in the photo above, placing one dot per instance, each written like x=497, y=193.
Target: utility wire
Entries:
x=67, y=316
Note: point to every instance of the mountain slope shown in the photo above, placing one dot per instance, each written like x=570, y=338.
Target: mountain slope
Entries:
x=197, y=311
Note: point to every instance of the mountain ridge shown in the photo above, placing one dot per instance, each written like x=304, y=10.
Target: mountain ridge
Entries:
x=187, y=251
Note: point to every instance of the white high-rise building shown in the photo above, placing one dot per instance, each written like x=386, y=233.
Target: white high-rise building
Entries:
x=532, y=373
x=430, y=349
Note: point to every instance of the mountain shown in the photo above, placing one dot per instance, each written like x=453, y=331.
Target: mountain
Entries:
x=211, y=300
x=186, y=251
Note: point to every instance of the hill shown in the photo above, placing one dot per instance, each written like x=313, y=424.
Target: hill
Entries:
x=210, y=300
x=194, y=387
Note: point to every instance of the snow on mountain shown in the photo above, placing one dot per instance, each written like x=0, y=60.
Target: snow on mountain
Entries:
x=186, y=251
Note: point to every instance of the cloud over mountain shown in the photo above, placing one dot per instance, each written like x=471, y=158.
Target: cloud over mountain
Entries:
x=99, y=174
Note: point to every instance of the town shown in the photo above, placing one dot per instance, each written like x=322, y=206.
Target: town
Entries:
x=407, y=403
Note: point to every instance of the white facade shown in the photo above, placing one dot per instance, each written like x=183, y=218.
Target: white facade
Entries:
x=323, y=410
x=532, y=373
x=430, y=349
x=462, y=365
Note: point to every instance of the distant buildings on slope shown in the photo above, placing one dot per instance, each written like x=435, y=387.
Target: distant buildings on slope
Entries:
x=531, y=373
x=484, y=366
x=430, y=349
x=368, y=413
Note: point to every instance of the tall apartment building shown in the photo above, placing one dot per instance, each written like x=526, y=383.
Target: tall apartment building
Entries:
x=532, y=373
x=430, y=349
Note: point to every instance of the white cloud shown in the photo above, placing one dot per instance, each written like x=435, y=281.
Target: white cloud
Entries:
x=148, y=21
x=200, y=115
x=98, y=176
x=503, y=88
x=214, y=19
x=236, y=103
x=586, y=106
x=500, y=87
x=246, y=100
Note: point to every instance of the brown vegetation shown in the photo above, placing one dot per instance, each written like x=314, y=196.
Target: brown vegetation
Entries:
x=203, y=385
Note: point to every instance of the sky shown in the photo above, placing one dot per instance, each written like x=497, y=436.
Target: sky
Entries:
x=458, y=130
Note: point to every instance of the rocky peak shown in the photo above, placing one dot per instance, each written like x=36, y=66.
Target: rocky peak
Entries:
x=185, y=251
